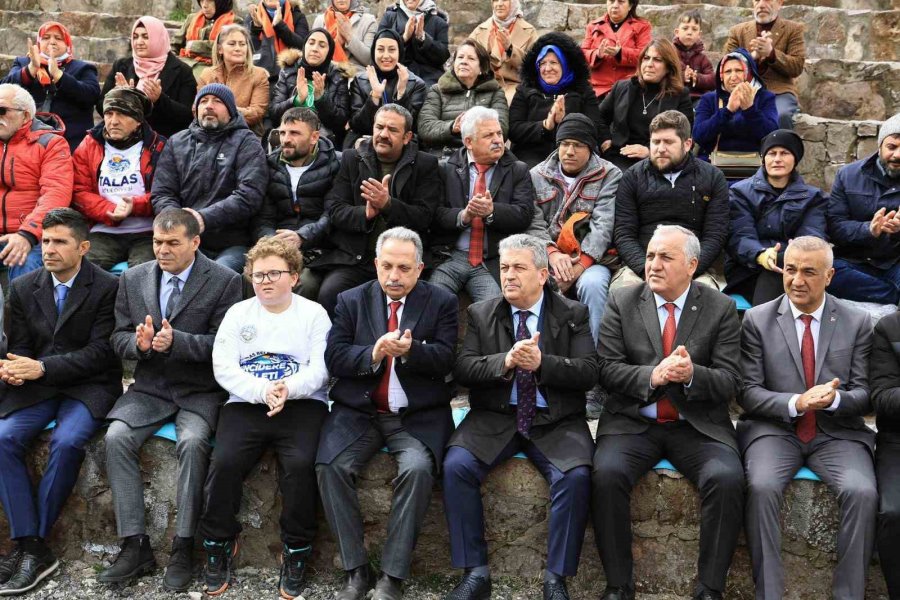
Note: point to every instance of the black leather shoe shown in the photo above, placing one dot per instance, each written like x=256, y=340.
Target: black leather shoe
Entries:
x=134, y=559
x=9, y=564
x=615, y=593
x=472, y=587
x=33, y=568
x=359, y=581
x=292, y=579
x=179, y=572
x=555, y=588
x=388, y=588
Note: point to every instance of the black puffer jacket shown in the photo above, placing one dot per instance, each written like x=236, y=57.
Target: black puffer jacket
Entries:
x=307, y=215
x=531, y=143
x=362, y=109
x=698, y=200
x=426, y=59
x=333, y=107
x=221, y=174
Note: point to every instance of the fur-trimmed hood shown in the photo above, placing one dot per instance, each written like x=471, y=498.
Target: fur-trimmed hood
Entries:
x=290, y=57
x=571, y=50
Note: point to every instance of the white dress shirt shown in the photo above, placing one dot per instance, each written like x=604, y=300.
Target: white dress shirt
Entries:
x=814, y=327
x=662, y=314
x=396, y=396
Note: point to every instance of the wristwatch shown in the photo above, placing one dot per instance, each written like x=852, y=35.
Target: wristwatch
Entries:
x=489, y=220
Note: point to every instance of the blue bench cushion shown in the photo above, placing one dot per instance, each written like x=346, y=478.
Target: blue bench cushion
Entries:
x=741, y=302
x=119, y=268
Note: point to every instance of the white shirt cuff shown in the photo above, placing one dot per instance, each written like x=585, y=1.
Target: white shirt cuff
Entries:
x=792, y=406
x=836, y=403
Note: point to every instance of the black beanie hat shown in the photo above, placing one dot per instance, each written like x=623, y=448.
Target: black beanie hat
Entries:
x=576, y=126
x=785, y=138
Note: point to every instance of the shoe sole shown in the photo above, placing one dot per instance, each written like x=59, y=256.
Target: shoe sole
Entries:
x=176, y=588
x=43, y=574
x=139, y=571
x=224, y=587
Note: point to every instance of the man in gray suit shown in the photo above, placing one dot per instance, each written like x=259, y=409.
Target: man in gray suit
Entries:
x=805, y=359
x=167, y=315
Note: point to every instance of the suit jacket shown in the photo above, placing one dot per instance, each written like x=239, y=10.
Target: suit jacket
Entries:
x=884, y=375
x=773, y=370
x=568, y=369
x=631, y=346
x=182, y=378
x=74, y=346
x=790, y=53
x=360, y=318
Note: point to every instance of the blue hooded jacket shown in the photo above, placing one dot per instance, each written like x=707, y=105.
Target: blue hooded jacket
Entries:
x=737, y=132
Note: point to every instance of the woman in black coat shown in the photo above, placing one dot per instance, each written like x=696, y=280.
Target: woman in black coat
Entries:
x=425, y=41
x=323, y=86
x=275, y=26
x=155, y=70
x=627, y=110
x=554, y=83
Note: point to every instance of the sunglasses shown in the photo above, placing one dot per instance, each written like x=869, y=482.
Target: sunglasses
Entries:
x=6, y=109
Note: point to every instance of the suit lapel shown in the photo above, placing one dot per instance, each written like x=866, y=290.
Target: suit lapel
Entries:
x=826, y=332
x=789, y=330
x=150, y=288
x=651, y=320
x=77, y=295
x=414, y=306
x=549, y=321
x=196, y=281
x=376, y=309
x=504, y=325
x=500, y=171
x=43, y=297
x=690, y=314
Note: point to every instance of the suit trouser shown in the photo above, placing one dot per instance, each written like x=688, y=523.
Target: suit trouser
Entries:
x=887, y=468
x=123, y=447
x=412, y=494
x=242, y=435
x=457, y=274
x=846, y=468
x=339, y=279
x=569, y=493
x=624, y=277
x=74, y=428
x=713, y=467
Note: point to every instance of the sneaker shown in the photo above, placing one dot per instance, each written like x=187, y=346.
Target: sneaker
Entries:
x=293, y=572
x=9, y=564
x=33, y=568
x=219, y=557
x=179, y=573
x=134, y=559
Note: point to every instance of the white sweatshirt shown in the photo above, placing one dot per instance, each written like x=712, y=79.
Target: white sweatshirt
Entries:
x=255, y=347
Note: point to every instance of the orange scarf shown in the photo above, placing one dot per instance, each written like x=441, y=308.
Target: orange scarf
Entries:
x=195, y=33
x=269, y=29
x=331, y=24
x=500, y=49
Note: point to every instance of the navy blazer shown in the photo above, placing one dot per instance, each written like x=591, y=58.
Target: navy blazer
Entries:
x=360, y=318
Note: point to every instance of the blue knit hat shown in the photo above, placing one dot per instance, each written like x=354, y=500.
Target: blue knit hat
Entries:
x=220, y=91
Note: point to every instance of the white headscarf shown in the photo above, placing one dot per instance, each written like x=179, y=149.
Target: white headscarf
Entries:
x=515, y=11
x=424, y=7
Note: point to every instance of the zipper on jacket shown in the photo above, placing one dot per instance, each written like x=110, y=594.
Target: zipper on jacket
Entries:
x=3, y=182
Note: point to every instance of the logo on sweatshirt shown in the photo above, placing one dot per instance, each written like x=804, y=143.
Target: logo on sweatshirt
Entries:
x=270, y=365
x=248, y=332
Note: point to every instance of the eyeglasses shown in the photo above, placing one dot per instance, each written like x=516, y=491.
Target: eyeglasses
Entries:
x=272, y=276
x=6, y=109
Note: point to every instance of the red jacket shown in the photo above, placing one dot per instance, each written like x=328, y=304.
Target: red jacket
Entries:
x=633, y=35
x=35, y=176
x=88, y=159
x=695, y=58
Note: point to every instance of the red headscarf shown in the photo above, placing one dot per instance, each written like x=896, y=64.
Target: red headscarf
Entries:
x=43, y=76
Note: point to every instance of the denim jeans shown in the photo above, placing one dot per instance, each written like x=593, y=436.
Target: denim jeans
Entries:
x=787, y=106
x=864, y=283
x=33, y=262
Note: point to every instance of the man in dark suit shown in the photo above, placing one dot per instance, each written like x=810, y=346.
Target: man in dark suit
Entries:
x=805, y=362
x=167, y=315
x=528, y=359
x=60, y=366
x=669, y=351
x=488, y=196
x=391, y=347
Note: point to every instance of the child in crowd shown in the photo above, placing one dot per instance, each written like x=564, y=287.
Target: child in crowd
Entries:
x=698, y=70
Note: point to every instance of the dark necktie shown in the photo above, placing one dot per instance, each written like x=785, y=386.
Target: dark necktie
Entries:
x=174, y=297
x=61, y=292
x=476, y=236
x=382, y=391
x=526, y=386
x=806, y=425
x=665, y=410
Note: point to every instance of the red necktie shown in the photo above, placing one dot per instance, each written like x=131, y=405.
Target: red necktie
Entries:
x=381, y=392
x=806, y=425
x=476, y=237
x=665, y=410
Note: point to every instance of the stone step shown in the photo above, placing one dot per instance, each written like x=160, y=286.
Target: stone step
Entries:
x=96, y=49
x=843, y=89
x=79, y=23
x=830, y=144
x=163, y=9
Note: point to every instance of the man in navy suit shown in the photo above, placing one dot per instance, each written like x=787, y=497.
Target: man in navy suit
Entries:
x=391, y=347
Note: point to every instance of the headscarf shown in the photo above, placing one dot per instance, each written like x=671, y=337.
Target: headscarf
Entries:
x=271, y=11
x=268, y=29
x=387, y=33
x=515, y=11
x=158, y=44
x=331, y=24
x=322, y=68
x=745, y=65
x=43, y=76
x=424, y=7
x=198, y=23
x=568, y=76
x=222, y=7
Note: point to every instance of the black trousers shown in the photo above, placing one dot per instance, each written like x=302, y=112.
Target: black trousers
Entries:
x=243, y=434
x=713, y=467
x=338, y=279
x=759, y=289
x=887, y=470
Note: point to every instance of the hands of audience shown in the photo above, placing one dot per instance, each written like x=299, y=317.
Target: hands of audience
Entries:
x=16, y=250
x=122, y=210
x=410, y=29
x=276, y=396
x=608, y=48
x=162, y=341
x=402, y=80
x=302, y=90
x=291, y=237
x=689, y=75
x=153, y=89
x=252, y=10
x=500, y=35
x=345, y=30
x=637, y=151
x=19, y=369
x=420, y=28
x=377, y=86
x=199, y=218
x=675, y=368
x=525, y=354
x=457, y=123
x=761, y=47
x=122, y=82
x=278, y=18
x=768, y=258
x=318, y=85
x=34, y=63
x=818, y=397
x=143, y=334
x=882, y=222
x=605, y=146
x=394, y=344
x=557, y=113
x=480, y=205
x=376, y=194
x=566, y=270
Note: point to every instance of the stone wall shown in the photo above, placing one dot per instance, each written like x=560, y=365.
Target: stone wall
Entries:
x=830, y=144
x=665, y=515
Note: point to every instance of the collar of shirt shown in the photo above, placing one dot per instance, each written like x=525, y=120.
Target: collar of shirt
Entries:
x=535, y=309
x=816, y=314
x=68, y=284
x=472, y=162
x=183, y=276
x=388, y=300
x=678, y=302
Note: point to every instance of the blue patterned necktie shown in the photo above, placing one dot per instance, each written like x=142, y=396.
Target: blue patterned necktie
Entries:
x=61, y=292
x=174, y=297
x=526, y=386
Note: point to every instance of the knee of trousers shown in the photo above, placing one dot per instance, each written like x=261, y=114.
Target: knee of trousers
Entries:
x=416, y=467
x=192, y=444
x=118, y=440
x=610, y=474
x=889, y=510
x=459, y=466
x=299, y=464
x=67, y=442
x=577, y=478
x=762, y=487
x=722, y=478
x=333, y=471
x=860, y=491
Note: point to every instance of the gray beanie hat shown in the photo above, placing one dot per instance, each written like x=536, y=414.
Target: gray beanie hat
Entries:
x=889, y=128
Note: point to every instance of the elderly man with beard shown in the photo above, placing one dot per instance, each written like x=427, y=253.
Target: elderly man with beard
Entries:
x=864, y=223
x=216, y=170
x=488, y=196
x=114, y=167
x=301, y=173
x=387, y=182
x=671, y=187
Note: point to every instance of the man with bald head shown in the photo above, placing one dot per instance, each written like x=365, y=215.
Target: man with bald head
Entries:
x=805, y=359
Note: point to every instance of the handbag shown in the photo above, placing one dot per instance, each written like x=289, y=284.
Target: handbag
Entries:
x=735, y=165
